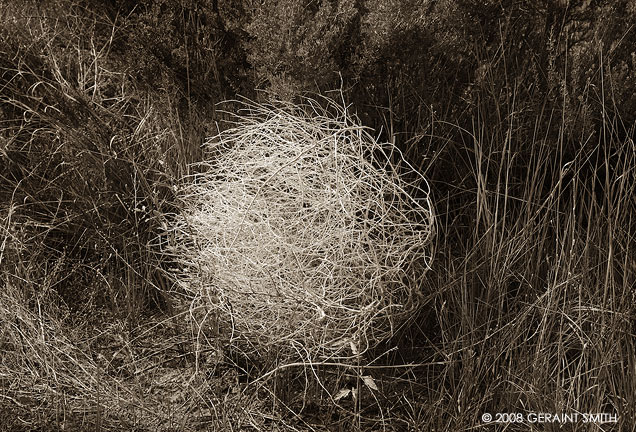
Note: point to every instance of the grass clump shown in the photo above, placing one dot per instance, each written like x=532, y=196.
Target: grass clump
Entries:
x=302, y=236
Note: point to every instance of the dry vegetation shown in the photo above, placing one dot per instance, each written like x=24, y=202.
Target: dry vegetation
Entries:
x=527, y=145
x=301, y=240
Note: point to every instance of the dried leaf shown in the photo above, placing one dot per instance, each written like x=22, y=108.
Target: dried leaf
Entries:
x=321, y=314
x=342, y=393
x=354, y=349
x=369, y=382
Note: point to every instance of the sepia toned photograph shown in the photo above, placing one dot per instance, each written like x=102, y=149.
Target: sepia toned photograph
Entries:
x=317, y=215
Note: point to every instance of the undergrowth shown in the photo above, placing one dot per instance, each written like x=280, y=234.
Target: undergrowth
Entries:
x=528, y=306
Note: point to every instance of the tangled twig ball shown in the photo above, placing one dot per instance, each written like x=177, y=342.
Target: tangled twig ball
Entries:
x=302, y=236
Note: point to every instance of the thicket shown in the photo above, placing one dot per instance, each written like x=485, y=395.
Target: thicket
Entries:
x=520, y=115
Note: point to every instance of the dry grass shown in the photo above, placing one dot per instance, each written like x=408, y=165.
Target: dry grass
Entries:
x=529, y=305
